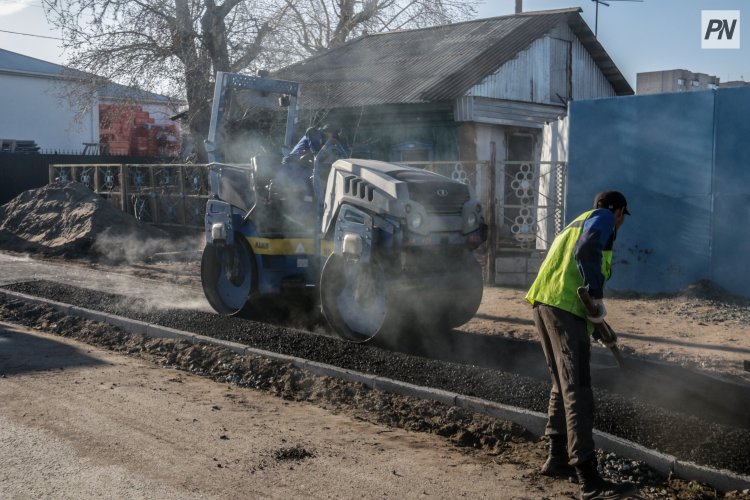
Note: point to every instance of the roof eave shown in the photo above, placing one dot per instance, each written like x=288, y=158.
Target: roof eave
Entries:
x=600, y=56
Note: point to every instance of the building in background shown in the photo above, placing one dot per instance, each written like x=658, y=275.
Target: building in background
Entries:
x=674, y=80
x=733, y=84
x=41, y=113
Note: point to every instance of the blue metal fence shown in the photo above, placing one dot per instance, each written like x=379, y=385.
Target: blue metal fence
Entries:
x=683, y=162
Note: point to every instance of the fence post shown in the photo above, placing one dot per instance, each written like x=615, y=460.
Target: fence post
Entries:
x=95, y=168
x=152, y=194
x=183, y=196
x=491, y=237
x=124, y=188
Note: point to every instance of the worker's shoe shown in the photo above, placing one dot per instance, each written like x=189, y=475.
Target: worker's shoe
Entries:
x=557, y=461
x=593, y=487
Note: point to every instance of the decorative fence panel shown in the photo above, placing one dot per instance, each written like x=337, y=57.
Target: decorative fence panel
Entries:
x=168, y=194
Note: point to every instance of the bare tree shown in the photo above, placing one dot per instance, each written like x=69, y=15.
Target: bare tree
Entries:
x=169, y=46
x=318, y=25
x=176, y=47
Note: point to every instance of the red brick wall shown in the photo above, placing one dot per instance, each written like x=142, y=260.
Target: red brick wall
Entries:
x=129, y=130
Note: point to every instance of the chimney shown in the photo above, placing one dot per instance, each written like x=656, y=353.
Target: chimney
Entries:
x=519, y=6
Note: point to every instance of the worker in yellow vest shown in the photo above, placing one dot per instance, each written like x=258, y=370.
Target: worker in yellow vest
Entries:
x=581, y=255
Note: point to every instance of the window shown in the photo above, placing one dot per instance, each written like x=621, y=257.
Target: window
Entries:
x=695, y=83
x=412, y=151
x=680, y=82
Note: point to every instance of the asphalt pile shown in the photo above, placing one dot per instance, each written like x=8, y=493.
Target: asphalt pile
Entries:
x=70, y=220
x=686, y=436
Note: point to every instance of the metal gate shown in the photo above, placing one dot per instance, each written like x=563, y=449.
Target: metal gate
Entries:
x=529, y=203
x=168, y=194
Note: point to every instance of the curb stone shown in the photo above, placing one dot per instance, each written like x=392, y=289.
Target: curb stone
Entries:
x=533, y=421
x=415, y=391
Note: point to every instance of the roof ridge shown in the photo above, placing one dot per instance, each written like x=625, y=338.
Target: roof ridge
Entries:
x=351, y=42
x=30, y=57
x=522, y=14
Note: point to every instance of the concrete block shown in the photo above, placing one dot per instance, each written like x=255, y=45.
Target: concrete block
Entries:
x=127, y=324
x=89, y=314
x=723, y=480
x=163, y=332
x=533, y=265
x=342, y=373
x=511, y=279
x=282, y=358
x=415, y=391
x=613, y=444
x=232, y=346
x=511, y=264
x=532, y=421
x=59, y=306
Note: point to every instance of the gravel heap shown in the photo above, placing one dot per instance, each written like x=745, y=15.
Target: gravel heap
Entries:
x=704, y=301
x=504, y=441
x=685, y=436
x=70, y=220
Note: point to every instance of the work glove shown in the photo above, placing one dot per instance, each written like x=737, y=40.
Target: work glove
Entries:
x=601, y=312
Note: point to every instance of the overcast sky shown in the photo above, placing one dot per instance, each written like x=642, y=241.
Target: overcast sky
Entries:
x=639, y=36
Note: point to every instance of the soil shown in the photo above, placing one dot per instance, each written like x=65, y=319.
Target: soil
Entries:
x=69, y=220
x=85, y=422
x=157, y=429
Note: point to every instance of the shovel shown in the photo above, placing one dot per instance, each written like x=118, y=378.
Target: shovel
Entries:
x=603, y=331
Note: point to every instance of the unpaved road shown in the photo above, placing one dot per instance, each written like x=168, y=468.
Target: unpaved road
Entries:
x=63, y=419
x=81, y=422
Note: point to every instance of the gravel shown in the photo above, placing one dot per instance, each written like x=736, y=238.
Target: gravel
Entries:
x=685, y=436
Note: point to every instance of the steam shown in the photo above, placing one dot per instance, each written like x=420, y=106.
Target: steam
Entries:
x=132, y=248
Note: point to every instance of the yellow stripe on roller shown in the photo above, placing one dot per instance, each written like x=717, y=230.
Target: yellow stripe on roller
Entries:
x=288, y=246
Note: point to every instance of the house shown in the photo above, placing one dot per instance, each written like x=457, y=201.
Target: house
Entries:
x=477, y=94
x=446, y=92
x=40, y=115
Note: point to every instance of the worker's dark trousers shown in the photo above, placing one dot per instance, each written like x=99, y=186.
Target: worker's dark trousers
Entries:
x=567, y=348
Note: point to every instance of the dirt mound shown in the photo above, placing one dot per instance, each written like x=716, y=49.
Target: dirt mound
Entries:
x=68, y=219
x=708, y=290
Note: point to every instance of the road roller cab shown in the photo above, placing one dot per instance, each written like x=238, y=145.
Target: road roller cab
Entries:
x=378, y=246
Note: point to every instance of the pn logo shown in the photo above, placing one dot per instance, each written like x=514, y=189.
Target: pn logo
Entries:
x=720, y=29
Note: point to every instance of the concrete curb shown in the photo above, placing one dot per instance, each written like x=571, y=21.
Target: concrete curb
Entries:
x=535, y=422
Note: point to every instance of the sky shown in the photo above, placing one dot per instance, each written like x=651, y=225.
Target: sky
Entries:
x=651, y=35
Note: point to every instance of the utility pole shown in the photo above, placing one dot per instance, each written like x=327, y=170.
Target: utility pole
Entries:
x=519, y=6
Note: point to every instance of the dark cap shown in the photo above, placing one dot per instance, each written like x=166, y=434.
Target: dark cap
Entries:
x=611, y=200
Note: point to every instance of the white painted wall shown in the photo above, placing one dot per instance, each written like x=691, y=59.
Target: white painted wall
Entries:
x=33, y=109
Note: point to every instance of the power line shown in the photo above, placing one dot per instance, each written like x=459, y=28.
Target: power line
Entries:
x=29, y=34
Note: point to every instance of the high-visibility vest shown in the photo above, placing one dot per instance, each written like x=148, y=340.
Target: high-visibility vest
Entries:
x=558, y=279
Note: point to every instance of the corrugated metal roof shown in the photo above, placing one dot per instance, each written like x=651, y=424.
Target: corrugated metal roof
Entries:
x=12, y=62
x=430, y=64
